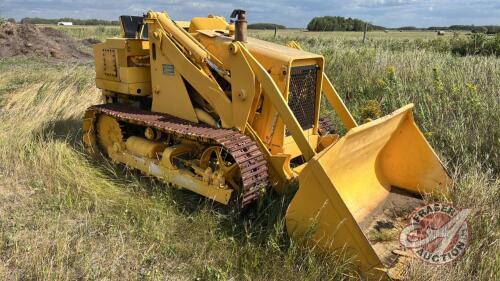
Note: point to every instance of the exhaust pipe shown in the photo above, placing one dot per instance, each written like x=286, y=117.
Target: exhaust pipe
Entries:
x=241, y=24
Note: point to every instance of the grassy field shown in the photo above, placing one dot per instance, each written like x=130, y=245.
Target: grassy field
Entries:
x=85, y=32
x=103, y=32
x=67, y=216
x=346, y=35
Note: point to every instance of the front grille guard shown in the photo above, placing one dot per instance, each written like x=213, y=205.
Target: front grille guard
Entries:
x=302, y=94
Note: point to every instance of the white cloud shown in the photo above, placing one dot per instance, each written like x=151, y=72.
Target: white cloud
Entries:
x=293, y=13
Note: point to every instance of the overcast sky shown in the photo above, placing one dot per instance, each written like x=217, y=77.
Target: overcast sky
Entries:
x=294, y=13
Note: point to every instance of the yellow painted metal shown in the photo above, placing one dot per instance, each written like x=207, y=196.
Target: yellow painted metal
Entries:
x=89, y=139
x=272, y=92
x=109, y=133
x=341, y=188
x=172, y=151
x=277, y=61
x=204, y=117
x=278, y=164
x=242, y=90
x=134, y=75
x=223, y=173
x=290, y=146
x=179, y=178
x=212, y=23
x=184, y=24
x=326, y=141
x=143, y=155
x=134, y=89
x=338, y=105
x=204, y=84
x=143, y=147
x=170, y=94
x=115, y=73
x=149, y=133
x=193, y=48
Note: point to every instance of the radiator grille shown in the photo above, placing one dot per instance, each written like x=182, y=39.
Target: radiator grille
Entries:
x=302, y=94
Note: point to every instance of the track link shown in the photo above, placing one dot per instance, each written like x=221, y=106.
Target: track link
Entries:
x=246, y=153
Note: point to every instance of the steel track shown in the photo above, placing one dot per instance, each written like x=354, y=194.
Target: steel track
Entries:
x=246, y=153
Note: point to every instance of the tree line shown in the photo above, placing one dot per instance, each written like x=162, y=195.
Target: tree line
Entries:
x=489, y=29
x=336, y=23
x=329, y=23
x=74, y=21
x=265, y=26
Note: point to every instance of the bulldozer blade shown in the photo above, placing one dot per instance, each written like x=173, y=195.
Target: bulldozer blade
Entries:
x=343, y=189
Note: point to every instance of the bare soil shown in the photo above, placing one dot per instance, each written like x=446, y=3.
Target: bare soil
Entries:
x=384, y=226
x=89, y=42
x=31, y=40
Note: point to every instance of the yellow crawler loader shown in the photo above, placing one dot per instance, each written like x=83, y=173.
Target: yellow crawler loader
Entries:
x=203, y=107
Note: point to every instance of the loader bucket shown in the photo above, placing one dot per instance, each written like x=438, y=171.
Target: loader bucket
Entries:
x=344, y=189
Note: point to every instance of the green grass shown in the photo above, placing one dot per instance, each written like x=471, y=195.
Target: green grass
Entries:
x=85, y=32
x=65, y=215
x=352, y=35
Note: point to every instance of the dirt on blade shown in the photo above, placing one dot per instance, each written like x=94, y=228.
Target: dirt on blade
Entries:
x=31, y=40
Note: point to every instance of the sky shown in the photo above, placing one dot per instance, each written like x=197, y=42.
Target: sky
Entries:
x=293, y=13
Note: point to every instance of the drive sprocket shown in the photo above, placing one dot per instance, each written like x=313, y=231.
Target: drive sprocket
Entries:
x=109, y=132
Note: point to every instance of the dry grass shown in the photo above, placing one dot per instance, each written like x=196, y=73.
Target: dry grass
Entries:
x=85, y=32
x=66, y=216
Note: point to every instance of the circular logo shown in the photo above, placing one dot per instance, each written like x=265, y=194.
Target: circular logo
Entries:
x=437, y=233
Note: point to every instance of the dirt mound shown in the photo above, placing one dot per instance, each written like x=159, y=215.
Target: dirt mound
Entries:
x=27, y=40
x=90, y=41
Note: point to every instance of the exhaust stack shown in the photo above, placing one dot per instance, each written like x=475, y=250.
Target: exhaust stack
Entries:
x=240, y=26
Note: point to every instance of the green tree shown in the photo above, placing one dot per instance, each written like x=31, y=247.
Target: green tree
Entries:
x=329, y=23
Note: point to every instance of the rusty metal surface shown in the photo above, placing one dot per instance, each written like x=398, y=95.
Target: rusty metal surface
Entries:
x=246, y=153
x=325, y=126
x=240, y=25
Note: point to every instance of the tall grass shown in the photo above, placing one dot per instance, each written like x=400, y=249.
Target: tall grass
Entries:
x=458, y=43
x=94, y=32
x=65, y=215
x=457, y=107
x=456, y=98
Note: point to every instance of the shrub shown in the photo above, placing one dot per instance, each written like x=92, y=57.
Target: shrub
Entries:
x=477, y=44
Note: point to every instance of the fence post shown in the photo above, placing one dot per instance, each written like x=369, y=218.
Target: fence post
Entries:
x=364, y=32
